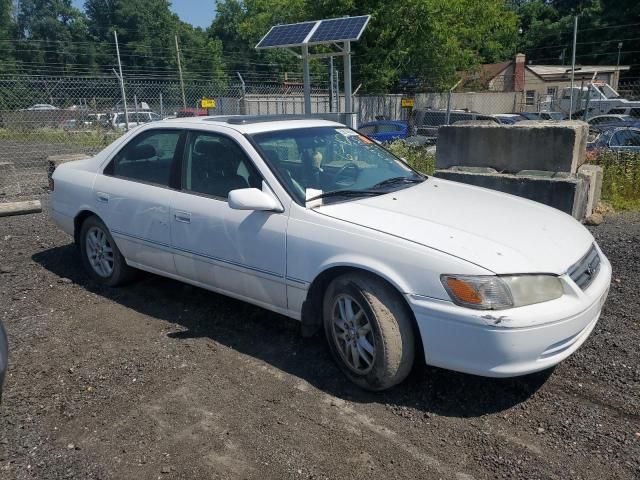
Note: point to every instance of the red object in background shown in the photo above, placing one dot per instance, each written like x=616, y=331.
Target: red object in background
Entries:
x=192, y=112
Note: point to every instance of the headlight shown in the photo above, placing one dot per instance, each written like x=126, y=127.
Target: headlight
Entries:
x=488, y=292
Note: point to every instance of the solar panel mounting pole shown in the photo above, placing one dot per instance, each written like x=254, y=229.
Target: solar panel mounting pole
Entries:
x=306, y=80
x=347, y=82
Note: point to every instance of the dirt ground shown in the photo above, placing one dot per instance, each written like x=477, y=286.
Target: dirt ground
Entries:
x=162, y=380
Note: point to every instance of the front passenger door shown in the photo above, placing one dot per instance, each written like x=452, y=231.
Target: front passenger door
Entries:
x=237, y=252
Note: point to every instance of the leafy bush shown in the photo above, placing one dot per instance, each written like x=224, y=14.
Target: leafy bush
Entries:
x=621, y=179
x=419, y=157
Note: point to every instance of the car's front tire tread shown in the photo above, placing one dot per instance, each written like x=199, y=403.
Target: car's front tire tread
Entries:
x=393, y=329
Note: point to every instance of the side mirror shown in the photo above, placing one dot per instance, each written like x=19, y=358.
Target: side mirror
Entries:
x=252, y=199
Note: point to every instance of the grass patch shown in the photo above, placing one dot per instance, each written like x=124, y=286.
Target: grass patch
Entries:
x=90, y=139
x=621, y=178
x=417, y=157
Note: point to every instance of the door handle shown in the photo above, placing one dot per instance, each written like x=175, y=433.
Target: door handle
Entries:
x=102, y=197
x=184, y=217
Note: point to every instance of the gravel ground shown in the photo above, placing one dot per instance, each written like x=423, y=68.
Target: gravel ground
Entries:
x=162, y=380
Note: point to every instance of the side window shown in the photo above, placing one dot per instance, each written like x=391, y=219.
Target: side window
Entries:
x=367, y=129
x=635, y=112
x=148, y=158
x=214, y=165
x=282, y=150
x=626, y=138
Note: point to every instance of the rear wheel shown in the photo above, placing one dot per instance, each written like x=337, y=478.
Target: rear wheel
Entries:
x=369, y=331
x=100, y=255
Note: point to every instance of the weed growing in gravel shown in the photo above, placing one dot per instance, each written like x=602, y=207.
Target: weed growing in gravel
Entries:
x=621, y=179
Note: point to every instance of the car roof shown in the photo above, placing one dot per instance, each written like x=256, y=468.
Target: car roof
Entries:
x=613, y=115
x=253, y=123
x=385, y=122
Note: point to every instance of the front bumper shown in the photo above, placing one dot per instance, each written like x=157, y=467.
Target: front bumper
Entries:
x=508, y=343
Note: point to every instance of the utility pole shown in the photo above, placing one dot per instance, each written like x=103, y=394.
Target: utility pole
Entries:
x=184, y=100
x=573, y=63
x=121, y=78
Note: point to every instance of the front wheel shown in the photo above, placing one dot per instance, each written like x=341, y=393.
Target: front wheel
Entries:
x=369, y=331
x=100, y=255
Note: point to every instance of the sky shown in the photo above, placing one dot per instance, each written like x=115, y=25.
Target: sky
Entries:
x=198, y=13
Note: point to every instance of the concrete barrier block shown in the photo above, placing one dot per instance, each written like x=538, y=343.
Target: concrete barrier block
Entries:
x=593, y=174
x=566, y=194
x=546, y=146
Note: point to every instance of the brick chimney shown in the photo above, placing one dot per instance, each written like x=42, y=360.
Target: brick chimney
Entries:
x=518, y=73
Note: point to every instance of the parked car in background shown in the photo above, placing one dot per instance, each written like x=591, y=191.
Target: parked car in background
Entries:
x=385, y=130
x=311, y=219
x=530, y=115
x=616, y=139
x=426, y=122
x=552, y=116
x=135, y=118
x=509, y=118
x=631, y=111
x=4, y=356
x=608, y=119
x=191, y=112
x=42, y=106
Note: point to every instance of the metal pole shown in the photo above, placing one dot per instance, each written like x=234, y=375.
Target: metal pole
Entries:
x=573, y=63
x=618, y=66
x=242, y=106
x=184, y=100
x=161, y=106
x=586, y=107
x=448, y=108
x=337, y=89
x=347, y=82
x=306, y=80
x=124, y=97
x=331, y=92
x=135, y=101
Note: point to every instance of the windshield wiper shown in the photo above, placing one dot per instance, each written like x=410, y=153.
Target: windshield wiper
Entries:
x=397, y=180
x=346, y=193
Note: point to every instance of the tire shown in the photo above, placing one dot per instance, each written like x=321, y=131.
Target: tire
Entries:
x=377, y=356
x=100, y=255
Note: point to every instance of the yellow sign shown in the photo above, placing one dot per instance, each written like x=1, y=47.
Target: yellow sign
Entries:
x=208, y=103
x=407, y=102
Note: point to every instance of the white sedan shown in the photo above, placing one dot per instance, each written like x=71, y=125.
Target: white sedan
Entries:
x=314, y=221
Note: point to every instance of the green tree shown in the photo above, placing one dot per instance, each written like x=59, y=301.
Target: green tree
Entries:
x=146, y=35
x=430, y=39
x=56, y=34
x=7, y=32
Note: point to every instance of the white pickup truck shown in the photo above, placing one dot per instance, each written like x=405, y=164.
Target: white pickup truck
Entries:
x=599, y=98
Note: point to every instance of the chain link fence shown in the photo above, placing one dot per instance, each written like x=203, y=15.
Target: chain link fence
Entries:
x=43, y=116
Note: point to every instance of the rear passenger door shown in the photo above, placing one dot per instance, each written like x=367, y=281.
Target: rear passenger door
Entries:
x=133, y=197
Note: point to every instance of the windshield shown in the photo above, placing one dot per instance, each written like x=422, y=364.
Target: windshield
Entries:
x=319, y=160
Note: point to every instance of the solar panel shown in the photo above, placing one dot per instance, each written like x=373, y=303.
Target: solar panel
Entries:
x=289, y=35
x=339, y=29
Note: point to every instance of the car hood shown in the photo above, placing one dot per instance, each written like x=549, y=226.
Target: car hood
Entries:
x=499, y=232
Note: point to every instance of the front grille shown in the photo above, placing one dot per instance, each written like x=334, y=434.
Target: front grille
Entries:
x=586, y=269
